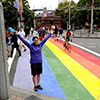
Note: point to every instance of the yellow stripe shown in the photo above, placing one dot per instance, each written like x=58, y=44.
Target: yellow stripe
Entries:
x=87, y=79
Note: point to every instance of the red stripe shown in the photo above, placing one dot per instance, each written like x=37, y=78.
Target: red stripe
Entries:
x=90, y=66
x=84, y=54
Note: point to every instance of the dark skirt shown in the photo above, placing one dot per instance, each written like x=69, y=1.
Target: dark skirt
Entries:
x=36, y=69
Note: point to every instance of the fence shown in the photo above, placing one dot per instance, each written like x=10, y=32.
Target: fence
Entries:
x=4, y=77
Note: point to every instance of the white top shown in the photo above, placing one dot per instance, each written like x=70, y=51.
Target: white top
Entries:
x=22, y=33
x=31, y=28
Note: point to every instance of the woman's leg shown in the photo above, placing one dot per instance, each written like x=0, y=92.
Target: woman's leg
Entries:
x=9, y=53
x=12, y=51
x=34, y=80
x=38, y=82
x=38, y=79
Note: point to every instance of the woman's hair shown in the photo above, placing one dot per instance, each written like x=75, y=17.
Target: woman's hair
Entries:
x=34, y=38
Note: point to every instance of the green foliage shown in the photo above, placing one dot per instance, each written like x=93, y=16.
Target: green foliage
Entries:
x=61, y=11
x=10, y=13
x=28, y=14
x=79, y=17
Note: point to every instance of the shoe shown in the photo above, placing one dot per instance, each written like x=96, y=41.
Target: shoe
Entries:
x=19, y=56
x=39, y=87
x=35, y=88
x=24, y=50
x=9, y=56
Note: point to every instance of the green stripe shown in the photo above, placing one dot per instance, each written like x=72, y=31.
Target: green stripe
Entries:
x=71, y=87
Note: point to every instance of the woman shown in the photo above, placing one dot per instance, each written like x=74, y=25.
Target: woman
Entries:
x=36, y=58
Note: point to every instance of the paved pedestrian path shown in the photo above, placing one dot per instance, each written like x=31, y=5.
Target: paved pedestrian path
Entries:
x=72, y=76
x=23, y=78
x=22, y=94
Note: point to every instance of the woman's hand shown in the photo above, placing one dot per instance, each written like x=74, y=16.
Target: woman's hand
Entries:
x=17, y=33
x=12, y=43
x=52, y=31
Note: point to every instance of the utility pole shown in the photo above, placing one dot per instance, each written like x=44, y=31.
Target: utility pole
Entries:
x=18, y=12
x=22, y=23
x=69, y=14
x=20, y=7
x=92, y=17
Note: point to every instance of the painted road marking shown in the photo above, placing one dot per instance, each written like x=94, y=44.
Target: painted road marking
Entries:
x=87, y=79
x=92, y=43
x=80, y=43
x=92, y=46
x=89, y=65
x=83, y=48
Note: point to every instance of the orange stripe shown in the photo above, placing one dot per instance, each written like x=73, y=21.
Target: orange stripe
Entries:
x=94, y=69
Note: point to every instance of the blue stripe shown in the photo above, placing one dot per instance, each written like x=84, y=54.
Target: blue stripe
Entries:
x=23, y=78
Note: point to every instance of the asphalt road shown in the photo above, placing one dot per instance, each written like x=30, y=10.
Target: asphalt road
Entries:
x=92, y=44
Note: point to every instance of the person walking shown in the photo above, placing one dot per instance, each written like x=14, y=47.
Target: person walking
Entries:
x=27, y=32
x=8, y=42
x=60, y=33
x=32, y=30
x=56, y=33
x=41, y=36
x=68, y=37
x=22, y=33
x=36, y=58
x=14, y=43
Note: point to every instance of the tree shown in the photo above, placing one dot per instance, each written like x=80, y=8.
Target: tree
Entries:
x=83, y=16
x=62, y=11
x=28, y=14
x=10, y=13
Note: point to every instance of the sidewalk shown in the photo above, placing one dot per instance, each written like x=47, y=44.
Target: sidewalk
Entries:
x=21, y=94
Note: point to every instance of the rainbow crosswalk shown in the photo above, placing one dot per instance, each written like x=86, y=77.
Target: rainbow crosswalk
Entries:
x=85, y=71
x=75, y=75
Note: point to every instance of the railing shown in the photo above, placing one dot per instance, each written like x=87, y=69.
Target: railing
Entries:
x=4, y=77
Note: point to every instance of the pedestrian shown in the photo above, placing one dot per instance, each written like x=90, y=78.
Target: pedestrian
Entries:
x=56, y=33
x=60, y=33
x=22, y=28
x=41, y=36
x=22, y=33
x=27, y=32
x=14, y=42
x=35, y=33
x=68, y=37
x=8, y=42
x=32, y=30
x=36, y=58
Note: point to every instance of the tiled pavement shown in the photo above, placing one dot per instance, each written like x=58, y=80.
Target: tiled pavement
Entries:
x=21, y=94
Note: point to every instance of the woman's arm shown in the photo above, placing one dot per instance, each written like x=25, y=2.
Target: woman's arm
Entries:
x=45, y=39
x=25, y=42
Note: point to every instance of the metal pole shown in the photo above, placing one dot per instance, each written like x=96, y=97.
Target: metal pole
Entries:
x=18, y=18
x=21, y=9
x=92, y=17
x=69, y=13
x=22, y=23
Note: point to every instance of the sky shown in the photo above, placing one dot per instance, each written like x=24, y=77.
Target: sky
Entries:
x=50, y=4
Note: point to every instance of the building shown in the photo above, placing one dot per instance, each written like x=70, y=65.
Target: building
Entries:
x=47, y=19
x=59, y=1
